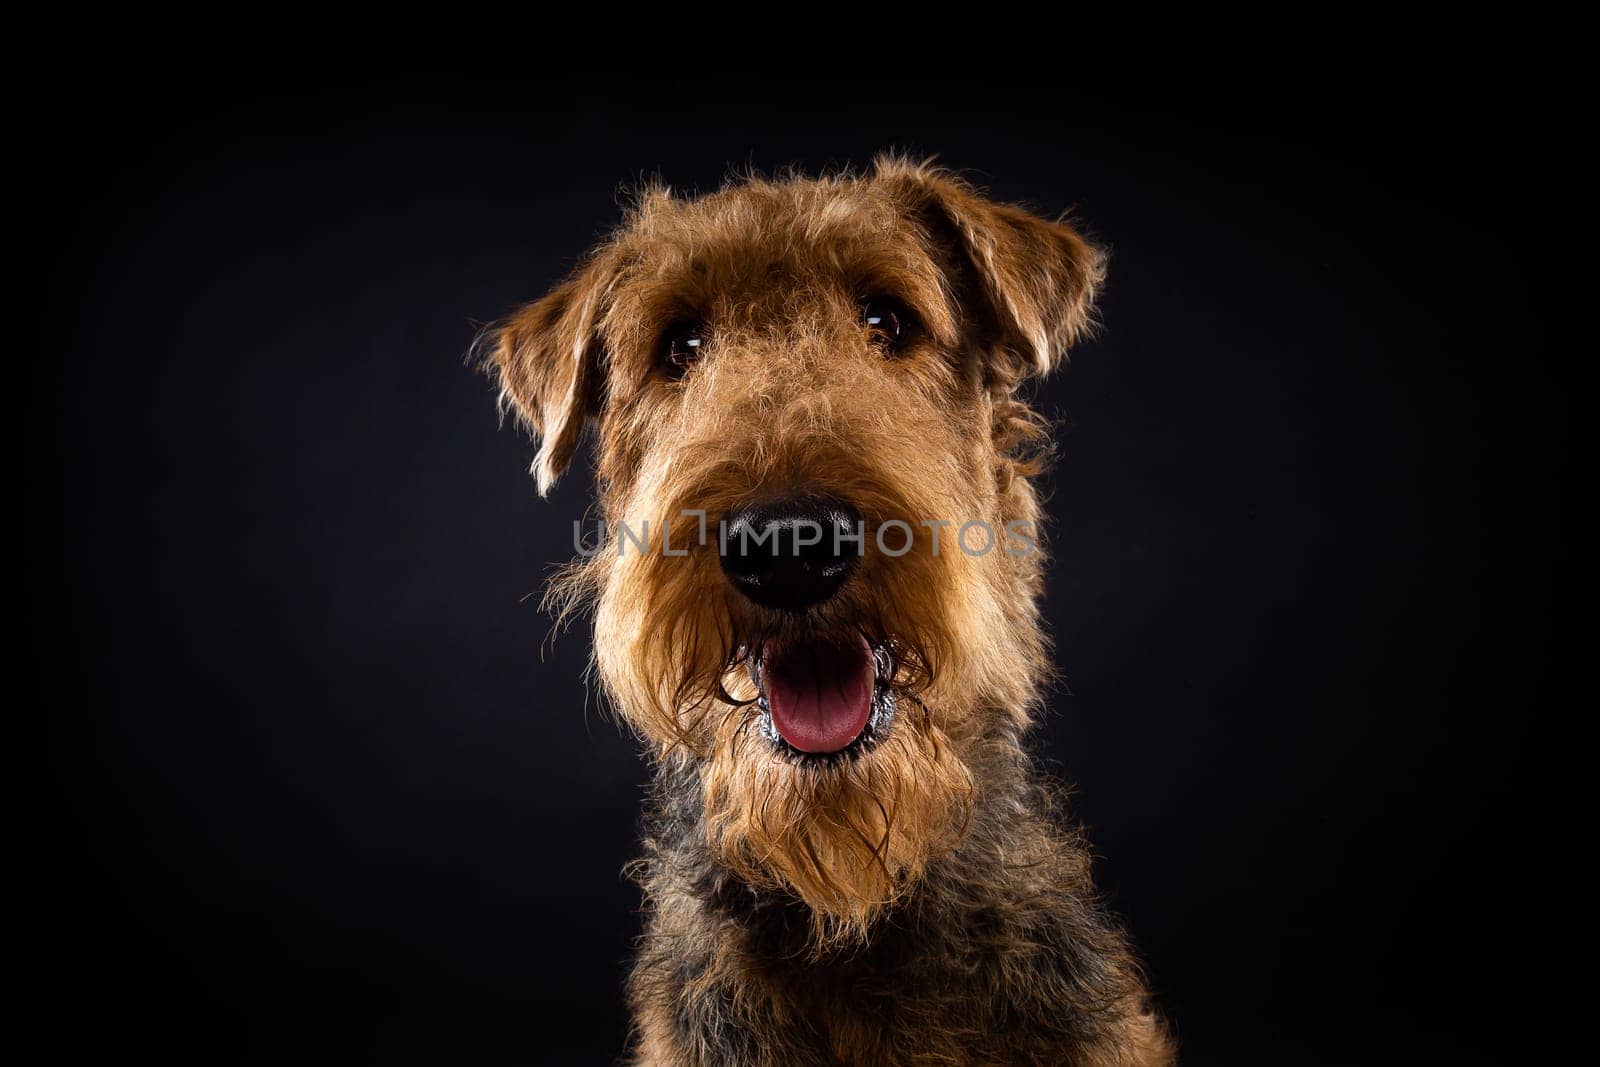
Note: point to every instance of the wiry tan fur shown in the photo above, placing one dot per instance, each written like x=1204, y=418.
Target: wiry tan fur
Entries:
x=773, y=884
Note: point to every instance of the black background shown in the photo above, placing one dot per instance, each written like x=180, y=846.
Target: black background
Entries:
x=313, y=781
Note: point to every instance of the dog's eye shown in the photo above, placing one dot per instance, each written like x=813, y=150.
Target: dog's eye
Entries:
x=681, y=345
x=887, y=322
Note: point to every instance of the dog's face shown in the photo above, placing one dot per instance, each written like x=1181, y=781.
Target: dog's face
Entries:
x=812, y=384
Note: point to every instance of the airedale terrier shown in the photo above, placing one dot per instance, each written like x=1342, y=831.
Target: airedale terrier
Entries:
x=815, y=597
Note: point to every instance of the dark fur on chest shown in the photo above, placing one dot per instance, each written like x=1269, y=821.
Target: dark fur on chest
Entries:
x=1000, y=954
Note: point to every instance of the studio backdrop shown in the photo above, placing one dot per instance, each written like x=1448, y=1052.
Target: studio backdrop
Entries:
x=320, y=778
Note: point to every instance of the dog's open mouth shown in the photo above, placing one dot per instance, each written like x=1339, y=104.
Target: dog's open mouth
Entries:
x=824, y=696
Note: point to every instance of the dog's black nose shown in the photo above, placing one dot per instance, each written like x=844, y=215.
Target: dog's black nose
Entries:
x=791, y=554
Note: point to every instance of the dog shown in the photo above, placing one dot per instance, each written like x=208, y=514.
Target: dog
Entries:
x=815, y=598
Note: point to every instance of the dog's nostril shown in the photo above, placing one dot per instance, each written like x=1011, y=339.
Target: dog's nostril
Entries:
x=793, y=553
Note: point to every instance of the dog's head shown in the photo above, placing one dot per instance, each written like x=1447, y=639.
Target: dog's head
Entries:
x=820, y=557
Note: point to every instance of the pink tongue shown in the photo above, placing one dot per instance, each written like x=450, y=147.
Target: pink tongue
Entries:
x=820, y=694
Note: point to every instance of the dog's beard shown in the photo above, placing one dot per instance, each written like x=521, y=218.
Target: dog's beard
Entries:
x=847, y=835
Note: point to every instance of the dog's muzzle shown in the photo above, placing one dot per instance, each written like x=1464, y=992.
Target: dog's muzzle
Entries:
x=792, y=554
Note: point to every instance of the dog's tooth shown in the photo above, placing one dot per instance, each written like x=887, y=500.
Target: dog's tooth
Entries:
x=882, y=664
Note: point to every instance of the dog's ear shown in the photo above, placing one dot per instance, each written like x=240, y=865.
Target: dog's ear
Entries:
x=1039, y=277
x=546, y=357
